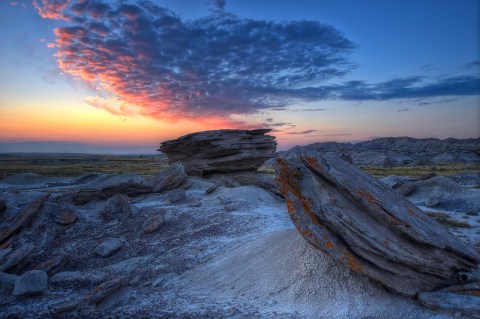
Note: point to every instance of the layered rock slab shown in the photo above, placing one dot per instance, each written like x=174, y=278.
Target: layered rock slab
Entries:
x=221, y=150
x=370, y=228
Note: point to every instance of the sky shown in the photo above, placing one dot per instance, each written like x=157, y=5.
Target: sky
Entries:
x=122, y=76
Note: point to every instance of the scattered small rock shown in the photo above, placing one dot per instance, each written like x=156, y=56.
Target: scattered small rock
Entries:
x=153, y=223
x=103, y=291
x=195, y=203
x=64, y=217
x=17, y=258
x=176, y=195
x=212, y=188
x=53, y=265
x=117, y=207
x=31, y=283
x=65, y=307
x=108, y=247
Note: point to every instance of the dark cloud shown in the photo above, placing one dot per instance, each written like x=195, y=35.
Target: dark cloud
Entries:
x=218, y=65
x=218, y=4
x=279, y=124
x=410, y=87
x=166, y=67
x=302, y=132
x=336, y=134
x=474, y=65
x=310, y=110
x=441, y=101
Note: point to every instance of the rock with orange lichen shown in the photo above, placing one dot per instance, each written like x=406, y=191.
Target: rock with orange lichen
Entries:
x=369, y=227
x=221, y=151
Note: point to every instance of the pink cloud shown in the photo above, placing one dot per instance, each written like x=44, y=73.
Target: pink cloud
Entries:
x=52, y=9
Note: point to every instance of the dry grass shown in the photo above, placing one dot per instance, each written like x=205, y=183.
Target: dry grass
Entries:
x=445, y=220
x=418, y=171
x=76, y=165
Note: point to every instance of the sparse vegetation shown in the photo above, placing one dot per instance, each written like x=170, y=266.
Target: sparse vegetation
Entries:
x=418, y=171
x=78, y=164
x=445, y=220
x=472, y=213
x=437, y=214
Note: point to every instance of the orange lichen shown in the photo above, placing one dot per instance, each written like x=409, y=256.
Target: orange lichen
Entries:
x=367, y=196
x=313, y=162
x=288, y=186
x=411, y=212
x=351, y=262
x=329, y=244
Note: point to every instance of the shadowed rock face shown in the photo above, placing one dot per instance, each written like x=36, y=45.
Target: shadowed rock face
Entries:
x=221, y=150
x=370, y=228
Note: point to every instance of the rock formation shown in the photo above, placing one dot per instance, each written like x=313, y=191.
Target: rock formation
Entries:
x=107, y=186
x=16, y=222
x=398, y=151
x=171, y=178
x=462, y=298
x=221, y=150
x=370, y=228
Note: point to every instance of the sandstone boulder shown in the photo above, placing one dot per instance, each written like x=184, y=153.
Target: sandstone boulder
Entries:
x=370, y=228
x=221, y=150
x=16, y=222
x=110, y=185
x=460, y=298
x=32, y=282
x=170, y=179
x=109, y=246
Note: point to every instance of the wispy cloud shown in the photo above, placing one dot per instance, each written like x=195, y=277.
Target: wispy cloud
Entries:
x=403, y=110
x=301, y=133
x=410, y=87
x=311, y=110
x=335, y=134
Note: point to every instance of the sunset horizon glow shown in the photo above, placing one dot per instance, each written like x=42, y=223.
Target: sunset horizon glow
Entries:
x=121, y=77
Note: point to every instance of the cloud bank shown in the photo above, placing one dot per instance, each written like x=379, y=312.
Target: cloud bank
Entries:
x=219, y=65
x=162, y=66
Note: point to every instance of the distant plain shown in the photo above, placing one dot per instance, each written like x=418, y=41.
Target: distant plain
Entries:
x=69, y=165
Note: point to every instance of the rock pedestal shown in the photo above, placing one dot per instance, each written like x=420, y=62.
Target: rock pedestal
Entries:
x=368, y=227
x=221, y=151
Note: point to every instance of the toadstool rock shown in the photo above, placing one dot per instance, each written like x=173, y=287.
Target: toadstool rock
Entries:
x=221, y=150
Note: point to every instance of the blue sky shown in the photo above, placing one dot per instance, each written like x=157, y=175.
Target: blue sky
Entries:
x=129, y=75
